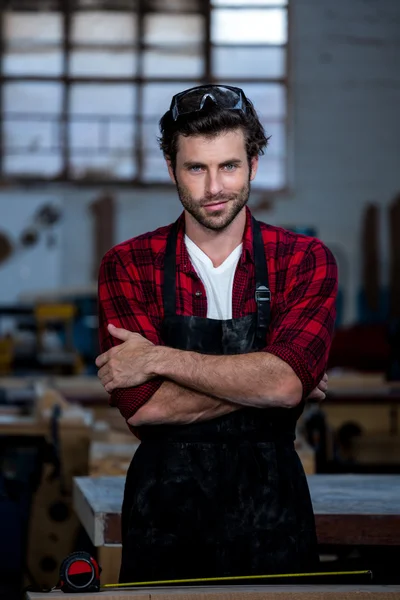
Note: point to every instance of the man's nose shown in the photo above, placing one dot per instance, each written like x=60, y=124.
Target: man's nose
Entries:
x=214, y=183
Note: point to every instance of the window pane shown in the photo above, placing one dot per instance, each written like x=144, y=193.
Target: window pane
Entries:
x=269, y=99
x=157, y=96
x=268, y=26
x=173, y=29
x=170, y=63
x=155, y=168
x=270, y=173
x=84, y=136
x=248, y=62
x=29, y=28
x=121, y=135
x=105, y=64
x=104, y=27
x=150, y=133
x=102, y=148
x=113, y=166
x=249, y=2
x=43, y=166
x=101, y=136
x=32, y=97
x=33, y=62
x=97, y=99
x=277, y=144
x=34, y=137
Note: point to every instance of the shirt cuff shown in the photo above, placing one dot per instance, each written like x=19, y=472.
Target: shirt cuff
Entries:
x=129, y=400
x=295, y=358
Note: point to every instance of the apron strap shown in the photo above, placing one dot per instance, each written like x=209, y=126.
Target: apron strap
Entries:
x=263, y=293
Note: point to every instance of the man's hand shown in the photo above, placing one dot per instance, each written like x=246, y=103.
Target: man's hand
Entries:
x=319, y=393
x=128, y=364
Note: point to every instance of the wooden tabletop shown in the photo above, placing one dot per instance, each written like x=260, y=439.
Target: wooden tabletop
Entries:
x=349, y=509
x=385, y=394
x=361, y=388
x=283, y=592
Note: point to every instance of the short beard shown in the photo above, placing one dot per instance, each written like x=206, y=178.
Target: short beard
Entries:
x=218, y=220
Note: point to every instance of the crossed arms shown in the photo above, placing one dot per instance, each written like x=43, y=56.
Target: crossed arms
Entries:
x=196, y=386
x=152, y=384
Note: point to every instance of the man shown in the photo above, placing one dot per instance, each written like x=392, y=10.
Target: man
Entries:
x=214, y=330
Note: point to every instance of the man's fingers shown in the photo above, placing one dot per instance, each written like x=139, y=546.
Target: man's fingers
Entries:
x=103, y=371
x=110, y=387
x=105, y=375
x=118, y=332
x=317, y=394
x=323, y=386
x=101, y=360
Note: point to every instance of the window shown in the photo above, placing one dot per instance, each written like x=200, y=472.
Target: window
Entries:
x=83, y=88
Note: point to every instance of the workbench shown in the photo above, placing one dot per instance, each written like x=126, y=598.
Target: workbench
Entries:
x=349, y=510
x=365, y=402
x=300, y=592
x=366, y=398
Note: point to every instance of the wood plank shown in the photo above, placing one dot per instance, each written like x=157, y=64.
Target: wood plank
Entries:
x=89, y=514
x=354, y=495
x=109, y=558
x=349, y=509
x=78, y=388
x=359, y=530
x=300, y=592
x=384, y=396
x=361, y=388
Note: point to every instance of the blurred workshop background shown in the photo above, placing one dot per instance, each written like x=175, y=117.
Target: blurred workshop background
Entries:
x=82, y=86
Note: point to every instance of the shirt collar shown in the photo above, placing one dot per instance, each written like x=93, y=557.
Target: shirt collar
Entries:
x=183, y=262
x=248, y=250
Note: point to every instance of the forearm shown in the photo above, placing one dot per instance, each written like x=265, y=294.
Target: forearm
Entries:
x=174, y=404
x=256, y=379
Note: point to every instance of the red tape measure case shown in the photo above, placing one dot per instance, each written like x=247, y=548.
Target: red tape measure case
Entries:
x=79, y=572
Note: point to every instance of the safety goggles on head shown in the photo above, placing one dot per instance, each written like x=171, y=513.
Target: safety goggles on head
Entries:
x=224, y=96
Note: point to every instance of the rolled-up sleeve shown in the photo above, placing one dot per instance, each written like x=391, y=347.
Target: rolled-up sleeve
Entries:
x=120, y=303
x=302, y=327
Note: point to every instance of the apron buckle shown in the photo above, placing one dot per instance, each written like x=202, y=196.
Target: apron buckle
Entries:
x=263, y=294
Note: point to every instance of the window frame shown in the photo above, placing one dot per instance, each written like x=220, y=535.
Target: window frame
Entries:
x=138, y=80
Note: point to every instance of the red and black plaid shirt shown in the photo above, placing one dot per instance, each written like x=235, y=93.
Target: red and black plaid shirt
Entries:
x=302, y=278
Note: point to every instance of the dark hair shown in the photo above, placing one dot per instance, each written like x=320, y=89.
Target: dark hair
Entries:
x=210, y=121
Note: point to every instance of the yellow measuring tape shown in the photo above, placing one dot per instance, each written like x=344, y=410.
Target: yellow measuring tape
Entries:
x=236, y=578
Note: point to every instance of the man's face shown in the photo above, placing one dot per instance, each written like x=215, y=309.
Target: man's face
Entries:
x=213, y=177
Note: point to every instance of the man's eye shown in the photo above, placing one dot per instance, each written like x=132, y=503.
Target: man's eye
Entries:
x=195, y=168
x=230, y=167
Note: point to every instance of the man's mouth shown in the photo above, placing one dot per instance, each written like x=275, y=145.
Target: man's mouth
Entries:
x=215, y=205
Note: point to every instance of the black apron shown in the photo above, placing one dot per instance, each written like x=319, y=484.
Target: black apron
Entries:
x=224, y=497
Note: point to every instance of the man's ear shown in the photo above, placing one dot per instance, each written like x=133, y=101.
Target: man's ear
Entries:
x=253, y=167
x=170, y=170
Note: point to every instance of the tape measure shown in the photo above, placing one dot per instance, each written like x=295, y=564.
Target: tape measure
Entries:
x=79, y=572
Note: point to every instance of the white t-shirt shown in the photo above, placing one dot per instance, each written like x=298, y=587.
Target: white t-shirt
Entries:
x=218, y=281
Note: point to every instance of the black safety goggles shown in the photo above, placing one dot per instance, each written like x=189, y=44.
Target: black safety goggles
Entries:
x=224, y=96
